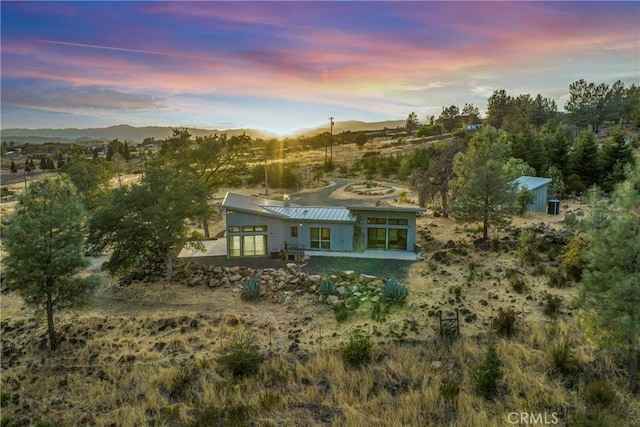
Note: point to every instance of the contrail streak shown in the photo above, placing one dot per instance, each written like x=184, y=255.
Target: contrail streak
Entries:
x=123, y=49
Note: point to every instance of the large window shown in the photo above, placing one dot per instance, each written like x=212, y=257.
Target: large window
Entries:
x=234, y=245
x=397, y=238
x=376, y=238
x=320, y=238
x=254, y=245
x=244, y=242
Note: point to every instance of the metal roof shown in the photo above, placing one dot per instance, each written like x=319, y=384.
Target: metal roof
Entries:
x=249, y=204
x=531, y=182
x=313, y=213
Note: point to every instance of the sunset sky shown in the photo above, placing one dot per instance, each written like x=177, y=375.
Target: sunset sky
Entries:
x=283, y=66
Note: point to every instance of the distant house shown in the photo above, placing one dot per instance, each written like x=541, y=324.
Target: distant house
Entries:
x=260, y=227
x=538, y=186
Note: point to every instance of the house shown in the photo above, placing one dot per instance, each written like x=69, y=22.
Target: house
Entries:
x=261, y=227
x=538, y=186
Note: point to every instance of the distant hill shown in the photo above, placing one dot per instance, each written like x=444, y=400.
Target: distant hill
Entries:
x=138, y=134
x=353, y=126
x=122, y=132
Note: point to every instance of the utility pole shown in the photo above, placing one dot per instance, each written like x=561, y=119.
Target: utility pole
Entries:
x=266, y=178
x=331, y=157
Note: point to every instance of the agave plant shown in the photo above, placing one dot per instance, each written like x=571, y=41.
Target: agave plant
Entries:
x=326, y=288
x=393, y=292
x=251, y=288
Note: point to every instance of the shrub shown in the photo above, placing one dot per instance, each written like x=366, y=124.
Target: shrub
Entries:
x=488, y=373
x=600, y=394
x=456, y=290
x=518, y=285
x=393, y=292
x=358, y=351
x=561, y=358
x=524, y=198
x=526, y=250
x=505, y=322
x=180, y=383
x=251, y=288
x=572, y=260
x=552, y=306
x=557, y=278
x=242, y=357
x=232, y=415
x=449, y=390
x=5, y=396
x=326, y=288
x=341, y=312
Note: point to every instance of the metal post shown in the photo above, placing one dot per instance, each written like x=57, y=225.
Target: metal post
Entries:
x=266, y=178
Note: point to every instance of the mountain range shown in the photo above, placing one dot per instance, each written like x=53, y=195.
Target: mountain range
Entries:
x=138, y=134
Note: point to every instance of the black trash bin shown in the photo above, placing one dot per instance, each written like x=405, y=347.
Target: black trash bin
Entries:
x=554, y=207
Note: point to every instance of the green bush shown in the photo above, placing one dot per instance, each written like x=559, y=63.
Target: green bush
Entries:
x=600, y=394
x=180, y=383
x=326, y=288
x=393, y=292
x=358, y=351
x=251, y=288
x=562, y=358
x=341, y=312
x=230, y=415
x=242, y=357
x=449, y=390
x=552, y=304
x=505, y=322
x=488, y=373
x=518, y=285
x=557, y=278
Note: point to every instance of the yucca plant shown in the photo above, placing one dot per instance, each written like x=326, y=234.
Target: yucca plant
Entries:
x=326, y=288
x=251, y=288
x=393, y=292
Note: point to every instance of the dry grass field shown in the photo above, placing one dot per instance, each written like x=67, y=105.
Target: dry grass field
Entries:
x=147, y=354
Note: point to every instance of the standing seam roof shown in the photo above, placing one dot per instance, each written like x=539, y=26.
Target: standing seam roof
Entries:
x=313, y=213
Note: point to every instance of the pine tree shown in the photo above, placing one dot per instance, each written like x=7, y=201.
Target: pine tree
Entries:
x=610, y=292
x=482, y=189
x=44, y=243
x=13, y=168
x=489, y=372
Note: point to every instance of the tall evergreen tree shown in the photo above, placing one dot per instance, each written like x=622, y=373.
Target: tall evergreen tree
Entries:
x=609, y=294
x=481, y=189
x=498, y=108
x=44, y=244
x=584, y=159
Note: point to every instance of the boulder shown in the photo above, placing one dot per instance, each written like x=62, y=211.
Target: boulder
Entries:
x=235, y=278
x=332, y=299
x=366, y=278
x=214, y=283
x=348, y=275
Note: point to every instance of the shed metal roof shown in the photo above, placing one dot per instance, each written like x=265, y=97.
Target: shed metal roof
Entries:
x=531, y=182
x=313, y=213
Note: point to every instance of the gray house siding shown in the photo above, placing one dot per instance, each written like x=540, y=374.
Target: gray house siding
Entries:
x=340, y=236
